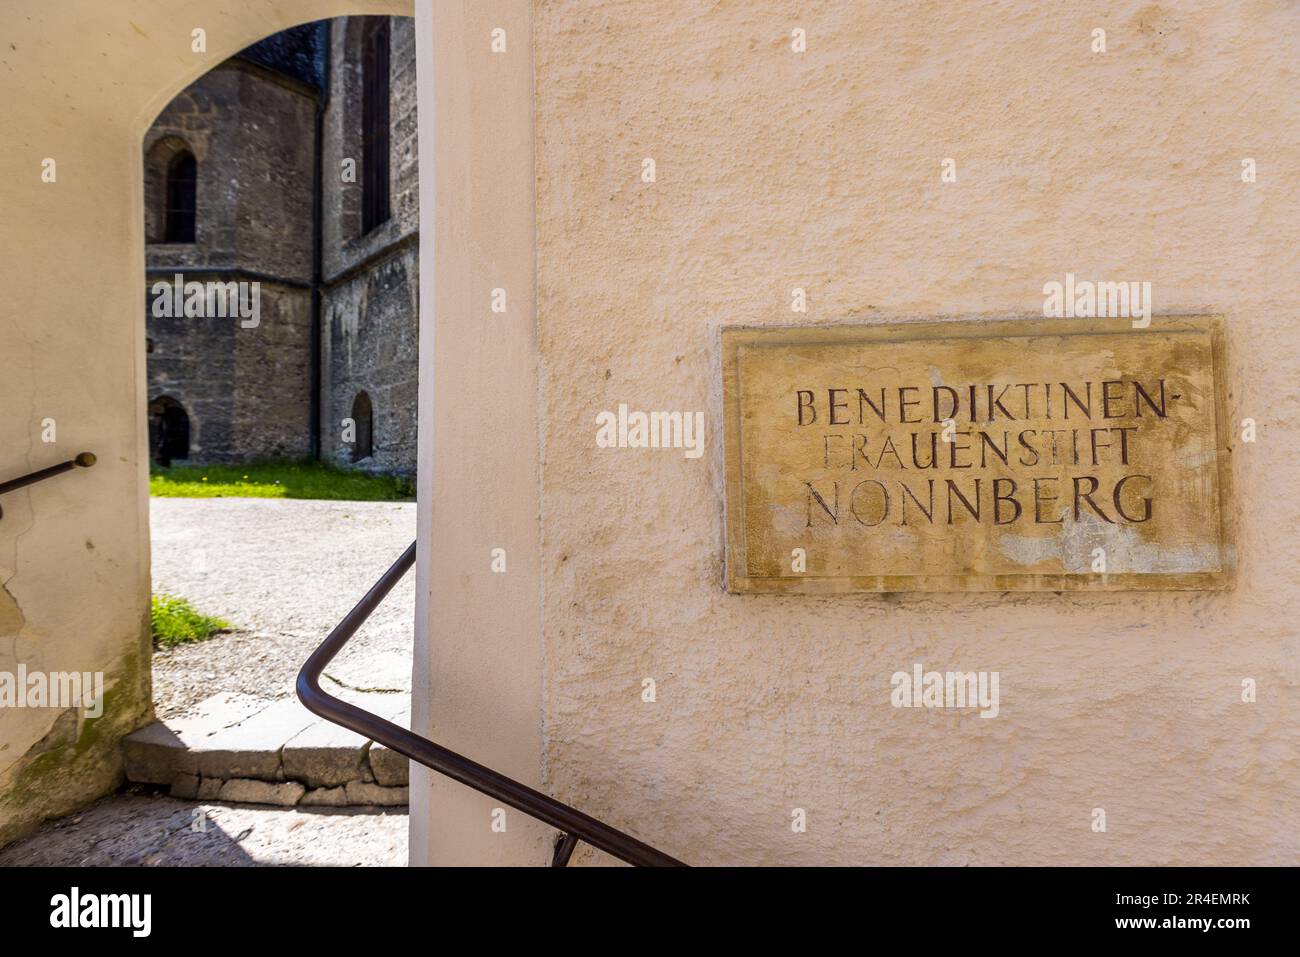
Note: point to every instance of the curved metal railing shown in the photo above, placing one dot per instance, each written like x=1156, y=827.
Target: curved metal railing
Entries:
x=574, y=826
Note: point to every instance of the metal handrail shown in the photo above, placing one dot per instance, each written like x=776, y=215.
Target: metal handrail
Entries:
x=83, y=460
x=574, y=826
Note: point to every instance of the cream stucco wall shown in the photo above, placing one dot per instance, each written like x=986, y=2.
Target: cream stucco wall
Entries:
x=821, y=170
x=478, y=650
x=79, y=83
x=775, y=170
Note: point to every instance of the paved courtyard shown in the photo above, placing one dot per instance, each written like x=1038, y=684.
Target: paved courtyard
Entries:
x=283, y=572
x=150, y=830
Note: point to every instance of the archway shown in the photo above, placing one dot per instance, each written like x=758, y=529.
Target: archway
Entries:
x=245, y=522
x=94, y=77
x=92, y=80
x=169, y=430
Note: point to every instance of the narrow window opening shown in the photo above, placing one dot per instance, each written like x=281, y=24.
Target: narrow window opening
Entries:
x=375, y=208
x=179, y=215
x=364, y=416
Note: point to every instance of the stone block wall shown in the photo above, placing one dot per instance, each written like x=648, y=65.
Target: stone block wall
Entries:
x=369, y=322
x=246, y=390
x=346, y=247
x=370, y=344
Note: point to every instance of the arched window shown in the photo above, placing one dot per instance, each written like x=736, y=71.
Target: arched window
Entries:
x=375, y=209
x=179, y=214
x=363, y=415
x=171, y=191
x=169, y=430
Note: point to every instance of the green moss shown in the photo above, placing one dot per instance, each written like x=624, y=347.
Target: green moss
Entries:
x=63, y=779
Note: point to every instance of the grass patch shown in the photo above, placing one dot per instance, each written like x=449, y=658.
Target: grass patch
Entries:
x=277, y=480
x=176, y=622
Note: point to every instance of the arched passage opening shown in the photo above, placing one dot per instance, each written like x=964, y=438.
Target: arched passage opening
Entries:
x=283, y=399
x=169, y=431
x=94, y=79
x=86, y=82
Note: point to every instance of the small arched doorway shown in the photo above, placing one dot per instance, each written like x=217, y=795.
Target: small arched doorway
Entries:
x=363, y=417
x=169, y=431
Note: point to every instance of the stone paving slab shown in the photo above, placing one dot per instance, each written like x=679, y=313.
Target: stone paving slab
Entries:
x=158, y=752
x=236, y=748
x=244, y=791
x=251, y=749
x=389, y=768
x=324, y=755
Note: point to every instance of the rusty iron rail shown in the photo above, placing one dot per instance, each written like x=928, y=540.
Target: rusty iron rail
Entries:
x=84, y=461
x=573, y=825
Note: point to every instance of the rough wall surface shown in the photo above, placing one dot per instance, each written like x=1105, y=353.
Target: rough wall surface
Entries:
x=251, y=133
x=346, y=246
x=80, y=84
x=822, y=170
x=370, y=344
x=370, y=323
x=246, y=390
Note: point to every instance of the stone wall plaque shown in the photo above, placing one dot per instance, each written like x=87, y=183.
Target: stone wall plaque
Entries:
x=1040, y=454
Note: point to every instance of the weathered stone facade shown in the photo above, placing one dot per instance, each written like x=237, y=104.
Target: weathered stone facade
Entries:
x=238, y=391
x=370, y=333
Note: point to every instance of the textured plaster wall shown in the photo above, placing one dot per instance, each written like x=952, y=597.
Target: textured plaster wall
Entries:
x=476, y=685
x=80, y=83
x=822, y=170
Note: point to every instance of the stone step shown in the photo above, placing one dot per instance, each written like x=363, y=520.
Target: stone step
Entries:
x=240, y=748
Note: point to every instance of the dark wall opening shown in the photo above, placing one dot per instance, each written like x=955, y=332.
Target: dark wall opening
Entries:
x=363, y=416
x=169, y=431
x=182, y=181
x=375, y=199
x=171, y=191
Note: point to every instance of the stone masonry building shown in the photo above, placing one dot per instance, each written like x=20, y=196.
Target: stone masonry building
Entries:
x=291, y=166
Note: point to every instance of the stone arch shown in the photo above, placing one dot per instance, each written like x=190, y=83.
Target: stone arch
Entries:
x=93, y=77
x=243, y=23
x=169, y=430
